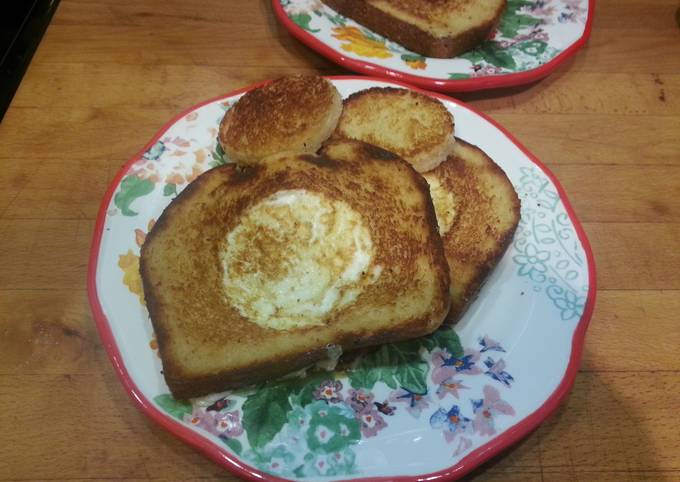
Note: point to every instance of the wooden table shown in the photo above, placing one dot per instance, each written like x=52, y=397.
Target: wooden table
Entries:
x=108, y=74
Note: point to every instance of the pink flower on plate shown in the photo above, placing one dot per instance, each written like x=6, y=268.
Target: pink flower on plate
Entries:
x=486, y=71
x=415, y=402
x=178, y=141
x=464, y=445
x=371, y=423
x=228, y=424
x=222, y=424
x=496, y=370
x=307, y=7
x=447, y=366
x=540, y=8
x=489, y=344
x=540, y=34
x=452, y=421
x=450, y=386
x=359, y=400
x=486, y=409
x=145, y=170
x=202, y=419
x=329, y=391
x=574, y=12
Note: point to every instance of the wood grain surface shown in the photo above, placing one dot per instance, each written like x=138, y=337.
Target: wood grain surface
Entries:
x=109, y=74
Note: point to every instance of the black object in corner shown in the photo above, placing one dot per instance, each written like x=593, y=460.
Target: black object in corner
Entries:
x=22, y=25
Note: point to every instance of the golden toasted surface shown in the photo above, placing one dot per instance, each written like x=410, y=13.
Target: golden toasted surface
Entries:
x=375, y=232
x=442, y=18
x=478, y=211
x=294, y=113
x=441, y=28
x=415, y=126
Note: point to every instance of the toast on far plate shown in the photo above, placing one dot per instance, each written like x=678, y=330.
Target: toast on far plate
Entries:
x=414, y=126
x=296, y=113
x=254, y=271
x=433, y=28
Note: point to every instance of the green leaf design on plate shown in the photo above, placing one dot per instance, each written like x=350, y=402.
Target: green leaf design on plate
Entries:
x=331, y=430
x=303, y=19
x=459, y=76
x=264, y=413
x=492, y=53
x=411, y=57
x=219, y=157
x=533, y=47
x=170, y=190
x=266, y=410
x=396, y=365
x=173, y=407
x=362, y=375
x=445, y=337
x=234, y=445
x=299, y=472
x=336, y=19
x=302, y=389
x=131, y=188
x=513, y=21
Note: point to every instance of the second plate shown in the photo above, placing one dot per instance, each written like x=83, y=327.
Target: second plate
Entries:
x=532, y=39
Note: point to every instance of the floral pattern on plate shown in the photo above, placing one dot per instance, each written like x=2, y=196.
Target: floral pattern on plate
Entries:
x=413, y=407
x=547, y=249
x=310, y=426
x=530, y=34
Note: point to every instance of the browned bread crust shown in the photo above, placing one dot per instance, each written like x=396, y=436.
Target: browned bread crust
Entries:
x=415, y=126
x=411, y=36
x=481, y=220
x=207, y=345
x=294, y=113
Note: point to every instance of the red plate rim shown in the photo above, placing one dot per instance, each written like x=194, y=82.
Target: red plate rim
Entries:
x=239, y=468
x=444, y=85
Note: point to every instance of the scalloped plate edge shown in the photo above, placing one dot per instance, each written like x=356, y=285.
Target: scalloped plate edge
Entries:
x=221, y=456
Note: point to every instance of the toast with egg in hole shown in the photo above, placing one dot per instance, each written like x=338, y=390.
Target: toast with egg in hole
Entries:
x=254, y=271
x=296, y=113
x=478, y=211
x=414, y=126
x=433, y=28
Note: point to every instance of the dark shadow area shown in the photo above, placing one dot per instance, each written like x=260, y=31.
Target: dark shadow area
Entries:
x=22, y=25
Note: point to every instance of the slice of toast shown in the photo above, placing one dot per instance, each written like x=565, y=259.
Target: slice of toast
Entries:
x=478, y=211
x=414, y=126
x=254, y=271
x=295, y=113
x=441, y=28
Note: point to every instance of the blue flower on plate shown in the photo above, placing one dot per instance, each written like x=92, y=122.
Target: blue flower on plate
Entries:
x=415, y=402
x=155, y=151
x=459, y=364
x=570, y=304
x=496, y=370
x=532, y=176
x=490, y=345
x=452, y=421
x=532, y=262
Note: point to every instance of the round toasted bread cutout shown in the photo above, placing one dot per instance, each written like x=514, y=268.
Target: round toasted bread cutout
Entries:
x=414, y=126
x=295, y=113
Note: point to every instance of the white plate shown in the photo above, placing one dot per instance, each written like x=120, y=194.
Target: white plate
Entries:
x=533, y=38
x=522, y=338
